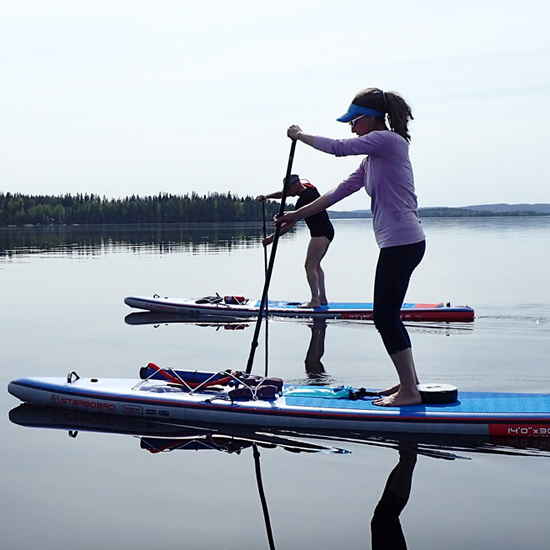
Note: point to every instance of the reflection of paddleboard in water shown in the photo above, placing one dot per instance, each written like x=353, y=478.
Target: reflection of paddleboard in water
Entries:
x=239, y=306
x=159, y=436
x=160, y=318
x=236, y=398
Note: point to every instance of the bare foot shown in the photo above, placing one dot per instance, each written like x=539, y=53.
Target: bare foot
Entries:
x=389, y=391
x=399, y=400
x=310, y=304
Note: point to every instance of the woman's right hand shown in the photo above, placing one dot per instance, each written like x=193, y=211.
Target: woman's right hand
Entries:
x=293, y=131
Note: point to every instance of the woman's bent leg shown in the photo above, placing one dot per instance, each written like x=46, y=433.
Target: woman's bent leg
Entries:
x=393, y=272
x=316, y=251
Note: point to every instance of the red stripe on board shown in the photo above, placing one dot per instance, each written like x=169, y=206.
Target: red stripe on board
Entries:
x=358, y=316
x=412, y=314
x=525, y=430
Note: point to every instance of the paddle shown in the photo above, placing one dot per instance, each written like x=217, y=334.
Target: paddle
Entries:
x=263, y=499
x=265, y=235
x=269, y=271
x=266, y=317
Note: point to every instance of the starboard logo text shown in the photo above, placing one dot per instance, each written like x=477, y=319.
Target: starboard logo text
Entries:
x=84, y=403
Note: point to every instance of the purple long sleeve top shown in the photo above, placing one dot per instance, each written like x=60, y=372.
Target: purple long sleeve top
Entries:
x=387, y=176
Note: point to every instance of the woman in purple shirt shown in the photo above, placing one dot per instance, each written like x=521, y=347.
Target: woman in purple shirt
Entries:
x=387, y=176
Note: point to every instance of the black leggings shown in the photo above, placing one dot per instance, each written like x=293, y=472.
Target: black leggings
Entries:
x=393, y=273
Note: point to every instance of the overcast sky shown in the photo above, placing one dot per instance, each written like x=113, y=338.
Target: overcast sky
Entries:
x=125, y=97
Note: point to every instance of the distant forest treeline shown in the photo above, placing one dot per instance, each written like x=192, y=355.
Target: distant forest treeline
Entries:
x=464, y=212
x=17, y=209
x=474, y=212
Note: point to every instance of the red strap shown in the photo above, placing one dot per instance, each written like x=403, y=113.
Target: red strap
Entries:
x=175, y=380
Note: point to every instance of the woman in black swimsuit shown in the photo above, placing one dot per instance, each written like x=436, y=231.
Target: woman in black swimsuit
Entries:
x=321, y=231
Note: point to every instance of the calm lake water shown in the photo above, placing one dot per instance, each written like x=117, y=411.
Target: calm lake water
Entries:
x=62, y=292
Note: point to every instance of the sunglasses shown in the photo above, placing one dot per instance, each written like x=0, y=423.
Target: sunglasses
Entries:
x=352, y=122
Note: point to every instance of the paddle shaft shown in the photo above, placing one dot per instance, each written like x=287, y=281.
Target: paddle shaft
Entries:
x=265, y=271
x=265, y=235
x=269, y=272
x=263, y=500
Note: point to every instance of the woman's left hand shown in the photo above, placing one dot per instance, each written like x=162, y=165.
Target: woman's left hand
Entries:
x=288, y=218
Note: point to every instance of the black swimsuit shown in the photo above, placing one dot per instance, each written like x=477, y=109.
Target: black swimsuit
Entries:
x=319, y=224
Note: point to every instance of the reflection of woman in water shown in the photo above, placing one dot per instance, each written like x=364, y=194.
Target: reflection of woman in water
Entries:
x=316, y=350
x=386, y=531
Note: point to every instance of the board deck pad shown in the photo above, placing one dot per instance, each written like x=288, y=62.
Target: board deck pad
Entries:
x=471, y=403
